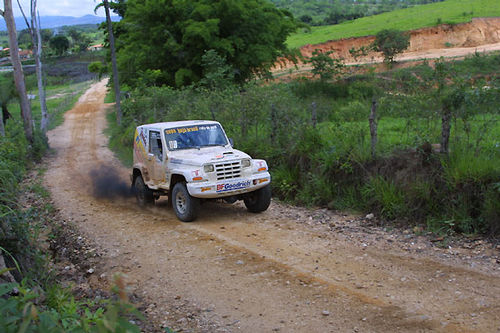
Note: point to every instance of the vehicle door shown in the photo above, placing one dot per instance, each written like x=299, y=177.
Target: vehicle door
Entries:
x=156, y=157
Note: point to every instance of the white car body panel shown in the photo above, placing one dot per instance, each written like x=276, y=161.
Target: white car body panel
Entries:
x=229, y=177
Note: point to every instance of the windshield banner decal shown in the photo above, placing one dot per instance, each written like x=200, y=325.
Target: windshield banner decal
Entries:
x=196, y=136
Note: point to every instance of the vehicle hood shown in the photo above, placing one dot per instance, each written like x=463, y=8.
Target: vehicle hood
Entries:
x=199, y=157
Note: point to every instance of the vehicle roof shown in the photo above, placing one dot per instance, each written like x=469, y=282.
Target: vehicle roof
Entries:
x=171, y=124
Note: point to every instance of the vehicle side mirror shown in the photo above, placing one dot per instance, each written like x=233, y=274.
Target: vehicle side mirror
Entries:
x=231, y=142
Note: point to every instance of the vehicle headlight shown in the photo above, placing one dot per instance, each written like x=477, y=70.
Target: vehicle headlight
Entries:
x=245, y=163
x=208, y=168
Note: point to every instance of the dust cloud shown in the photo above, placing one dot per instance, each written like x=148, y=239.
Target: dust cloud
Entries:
x=107, y=184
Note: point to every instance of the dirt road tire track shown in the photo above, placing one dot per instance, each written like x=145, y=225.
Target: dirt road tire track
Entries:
x=237, y=271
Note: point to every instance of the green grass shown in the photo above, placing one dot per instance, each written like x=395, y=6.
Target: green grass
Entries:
x=60, y=99
x=58, y=106
x=400, y=132
x=121, y=140
x=449, y=11
x=110, y=96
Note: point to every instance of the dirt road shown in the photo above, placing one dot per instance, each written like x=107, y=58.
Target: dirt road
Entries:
x=288, y=269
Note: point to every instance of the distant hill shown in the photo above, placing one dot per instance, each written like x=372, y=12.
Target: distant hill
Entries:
x=50, y=22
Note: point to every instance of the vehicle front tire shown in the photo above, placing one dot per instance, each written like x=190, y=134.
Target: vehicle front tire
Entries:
x=143, y=194
x=185, y=206
x=259, y=200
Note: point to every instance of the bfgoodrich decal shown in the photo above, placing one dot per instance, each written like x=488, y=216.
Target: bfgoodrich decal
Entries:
x=233, y=186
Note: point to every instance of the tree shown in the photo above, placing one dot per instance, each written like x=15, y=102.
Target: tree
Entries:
x=97, y=68
x=24, y=38
x=80, y=41
x=172, y=36
x=7, y=94
x=325, y=66
x=46, y=35
x=18, y=70
x=306, y=19
x=114, y=66
x=117, y=6
x=217, y=74
x=36, y=40
x=74, y=34
x=391, y=42
x=59, y=44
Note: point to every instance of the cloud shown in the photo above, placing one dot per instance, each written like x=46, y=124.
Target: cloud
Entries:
x=75, y=8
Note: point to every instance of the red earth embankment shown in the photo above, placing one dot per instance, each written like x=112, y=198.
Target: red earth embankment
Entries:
x=481, y=34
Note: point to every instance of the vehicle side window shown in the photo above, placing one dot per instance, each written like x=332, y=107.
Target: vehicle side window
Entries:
x=155, y=146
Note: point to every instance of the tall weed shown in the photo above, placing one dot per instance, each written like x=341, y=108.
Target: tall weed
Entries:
x=385, y=197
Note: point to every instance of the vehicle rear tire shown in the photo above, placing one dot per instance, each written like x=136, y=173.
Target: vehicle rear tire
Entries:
x=143, y=194
x=258, y=201
x=185, y=206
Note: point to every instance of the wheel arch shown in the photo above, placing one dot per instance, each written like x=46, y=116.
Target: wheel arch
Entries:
x=136, y=173
x=176, y=178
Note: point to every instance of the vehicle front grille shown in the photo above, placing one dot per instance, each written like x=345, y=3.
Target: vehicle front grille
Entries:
x=228, y=170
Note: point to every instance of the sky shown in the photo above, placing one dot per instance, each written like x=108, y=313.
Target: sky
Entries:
x=75, y=8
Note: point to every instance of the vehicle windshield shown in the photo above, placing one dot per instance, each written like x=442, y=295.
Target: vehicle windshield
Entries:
x=195, y=137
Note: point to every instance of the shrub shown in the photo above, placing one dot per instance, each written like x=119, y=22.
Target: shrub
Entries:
x=97, y=68
x=325, y=66
x=391, y=42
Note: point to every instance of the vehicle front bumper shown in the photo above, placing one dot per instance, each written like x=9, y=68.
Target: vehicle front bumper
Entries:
x=228, y=187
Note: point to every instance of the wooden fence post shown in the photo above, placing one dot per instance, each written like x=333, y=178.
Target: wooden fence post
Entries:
x=445, y=129
x=273, y=123
x=373, y=126
x=212, y=111
x=2, y=128
x=314, y=116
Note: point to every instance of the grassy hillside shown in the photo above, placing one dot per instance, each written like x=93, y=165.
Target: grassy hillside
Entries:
x=449, y=11
x=328, y=12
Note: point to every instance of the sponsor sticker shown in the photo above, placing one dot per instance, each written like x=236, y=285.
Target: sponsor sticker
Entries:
x=176, y=161
x=139, y=146
x=233, y=186
x=172, y=144
x=143, y=137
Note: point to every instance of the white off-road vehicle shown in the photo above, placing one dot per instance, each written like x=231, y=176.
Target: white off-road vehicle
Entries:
x=192, y=161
